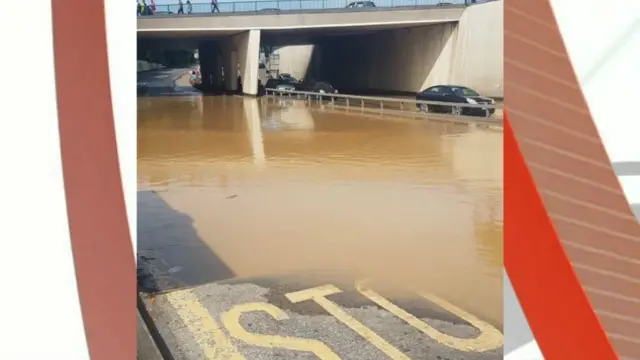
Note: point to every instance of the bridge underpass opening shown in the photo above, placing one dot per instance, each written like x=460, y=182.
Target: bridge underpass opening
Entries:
x=222, y=55
x=386, y=60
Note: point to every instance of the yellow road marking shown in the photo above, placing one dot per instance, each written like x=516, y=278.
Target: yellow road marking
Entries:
x=231, y=320
x=318, y=294
x=204, y=329
x=490, y=338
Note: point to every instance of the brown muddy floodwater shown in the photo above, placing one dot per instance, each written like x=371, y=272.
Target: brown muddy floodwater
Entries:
x=278, y=188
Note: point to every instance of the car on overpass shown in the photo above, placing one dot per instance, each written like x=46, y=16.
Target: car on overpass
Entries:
x=361, y=4
x=455, y=95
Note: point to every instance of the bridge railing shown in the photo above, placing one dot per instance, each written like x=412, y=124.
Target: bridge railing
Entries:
x=475, y=113
x=292, y=5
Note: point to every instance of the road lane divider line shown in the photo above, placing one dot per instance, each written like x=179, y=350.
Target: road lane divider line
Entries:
x=490, y=338
x=205, y=330
x=319, y=294
x=231, y=320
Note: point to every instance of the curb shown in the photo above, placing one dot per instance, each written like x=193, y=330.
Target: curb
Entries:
x=151, y=345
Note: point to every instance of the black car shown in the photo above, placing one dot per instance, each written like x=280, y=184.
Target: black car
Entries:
x=456, y=95
x=287, y=77
x=280, y=84
x=321, y=87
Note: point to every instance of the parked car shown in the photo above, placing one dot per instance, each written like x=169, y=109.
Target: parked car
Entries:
x=279, y=84
x=287, y=77
x=456, y=95
x=321, y=87
x=361, y=4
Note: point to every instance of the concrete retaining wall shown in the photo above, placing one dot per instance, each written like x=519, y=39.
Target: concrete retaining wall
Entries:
x=479, y=60
x=403, y=60
x=294, y=59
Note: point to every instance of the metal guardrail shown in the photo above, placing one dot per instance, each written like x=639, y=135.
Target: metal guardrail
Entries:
x=292, y=5
x=383, y=104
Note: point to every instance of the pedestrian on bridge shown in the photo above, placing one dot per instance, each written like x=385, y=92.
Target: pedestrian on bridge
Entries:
x=214, y=6
x=142, y=8
x=189, y=7
x=180, y=7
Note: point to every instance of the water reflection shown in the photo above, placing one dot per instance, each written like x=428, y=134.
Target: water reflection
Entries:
x=277, y=187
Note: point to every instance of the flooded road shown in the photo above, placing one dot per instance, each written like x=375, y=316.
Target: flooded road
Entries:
x=233, y=188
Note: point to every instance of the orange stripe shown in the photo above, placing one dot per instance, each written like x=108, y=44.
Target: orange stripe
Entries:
x=557, y=309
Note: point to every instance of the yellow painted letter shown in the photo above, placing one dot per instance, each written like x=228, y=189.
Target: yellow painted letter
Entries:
x=231, y=320
x=204, y=329
x=318, y=294
x=490, y=338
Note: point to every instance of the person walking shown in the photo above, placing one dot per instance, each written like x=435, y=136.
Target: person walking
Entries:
x=152, y=8
x=180, y=7
x=214, y=6
x=143, y=8
x=189, y=7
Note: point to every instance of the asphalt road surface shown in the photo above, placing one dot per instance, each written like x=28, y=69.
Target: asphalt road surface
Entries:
x=307, y=318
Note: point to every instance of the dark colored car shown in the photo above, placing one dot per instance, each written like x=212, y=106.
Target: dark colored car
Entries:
x=456, y=95
x=280, y=84
x=321, y=87
x=287, y=77
x=361, y=4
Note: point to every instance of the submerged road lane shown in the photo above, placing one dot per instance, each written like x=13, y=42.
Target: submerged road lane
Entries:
x=163, y=83
x=270, y=230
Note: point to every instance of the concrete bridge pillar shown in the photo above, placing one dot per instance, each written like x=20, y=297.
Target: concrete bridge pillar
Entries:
x=248, y=46
x=241, y=56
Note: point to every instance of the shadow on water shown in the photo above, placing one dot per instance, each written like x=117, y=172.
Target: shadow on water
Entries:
x=171, y=254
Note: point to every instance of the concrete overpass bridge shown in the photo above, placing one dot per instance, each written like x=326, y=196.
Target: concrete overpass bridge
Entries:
x=248, y=6
x=400, y=48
